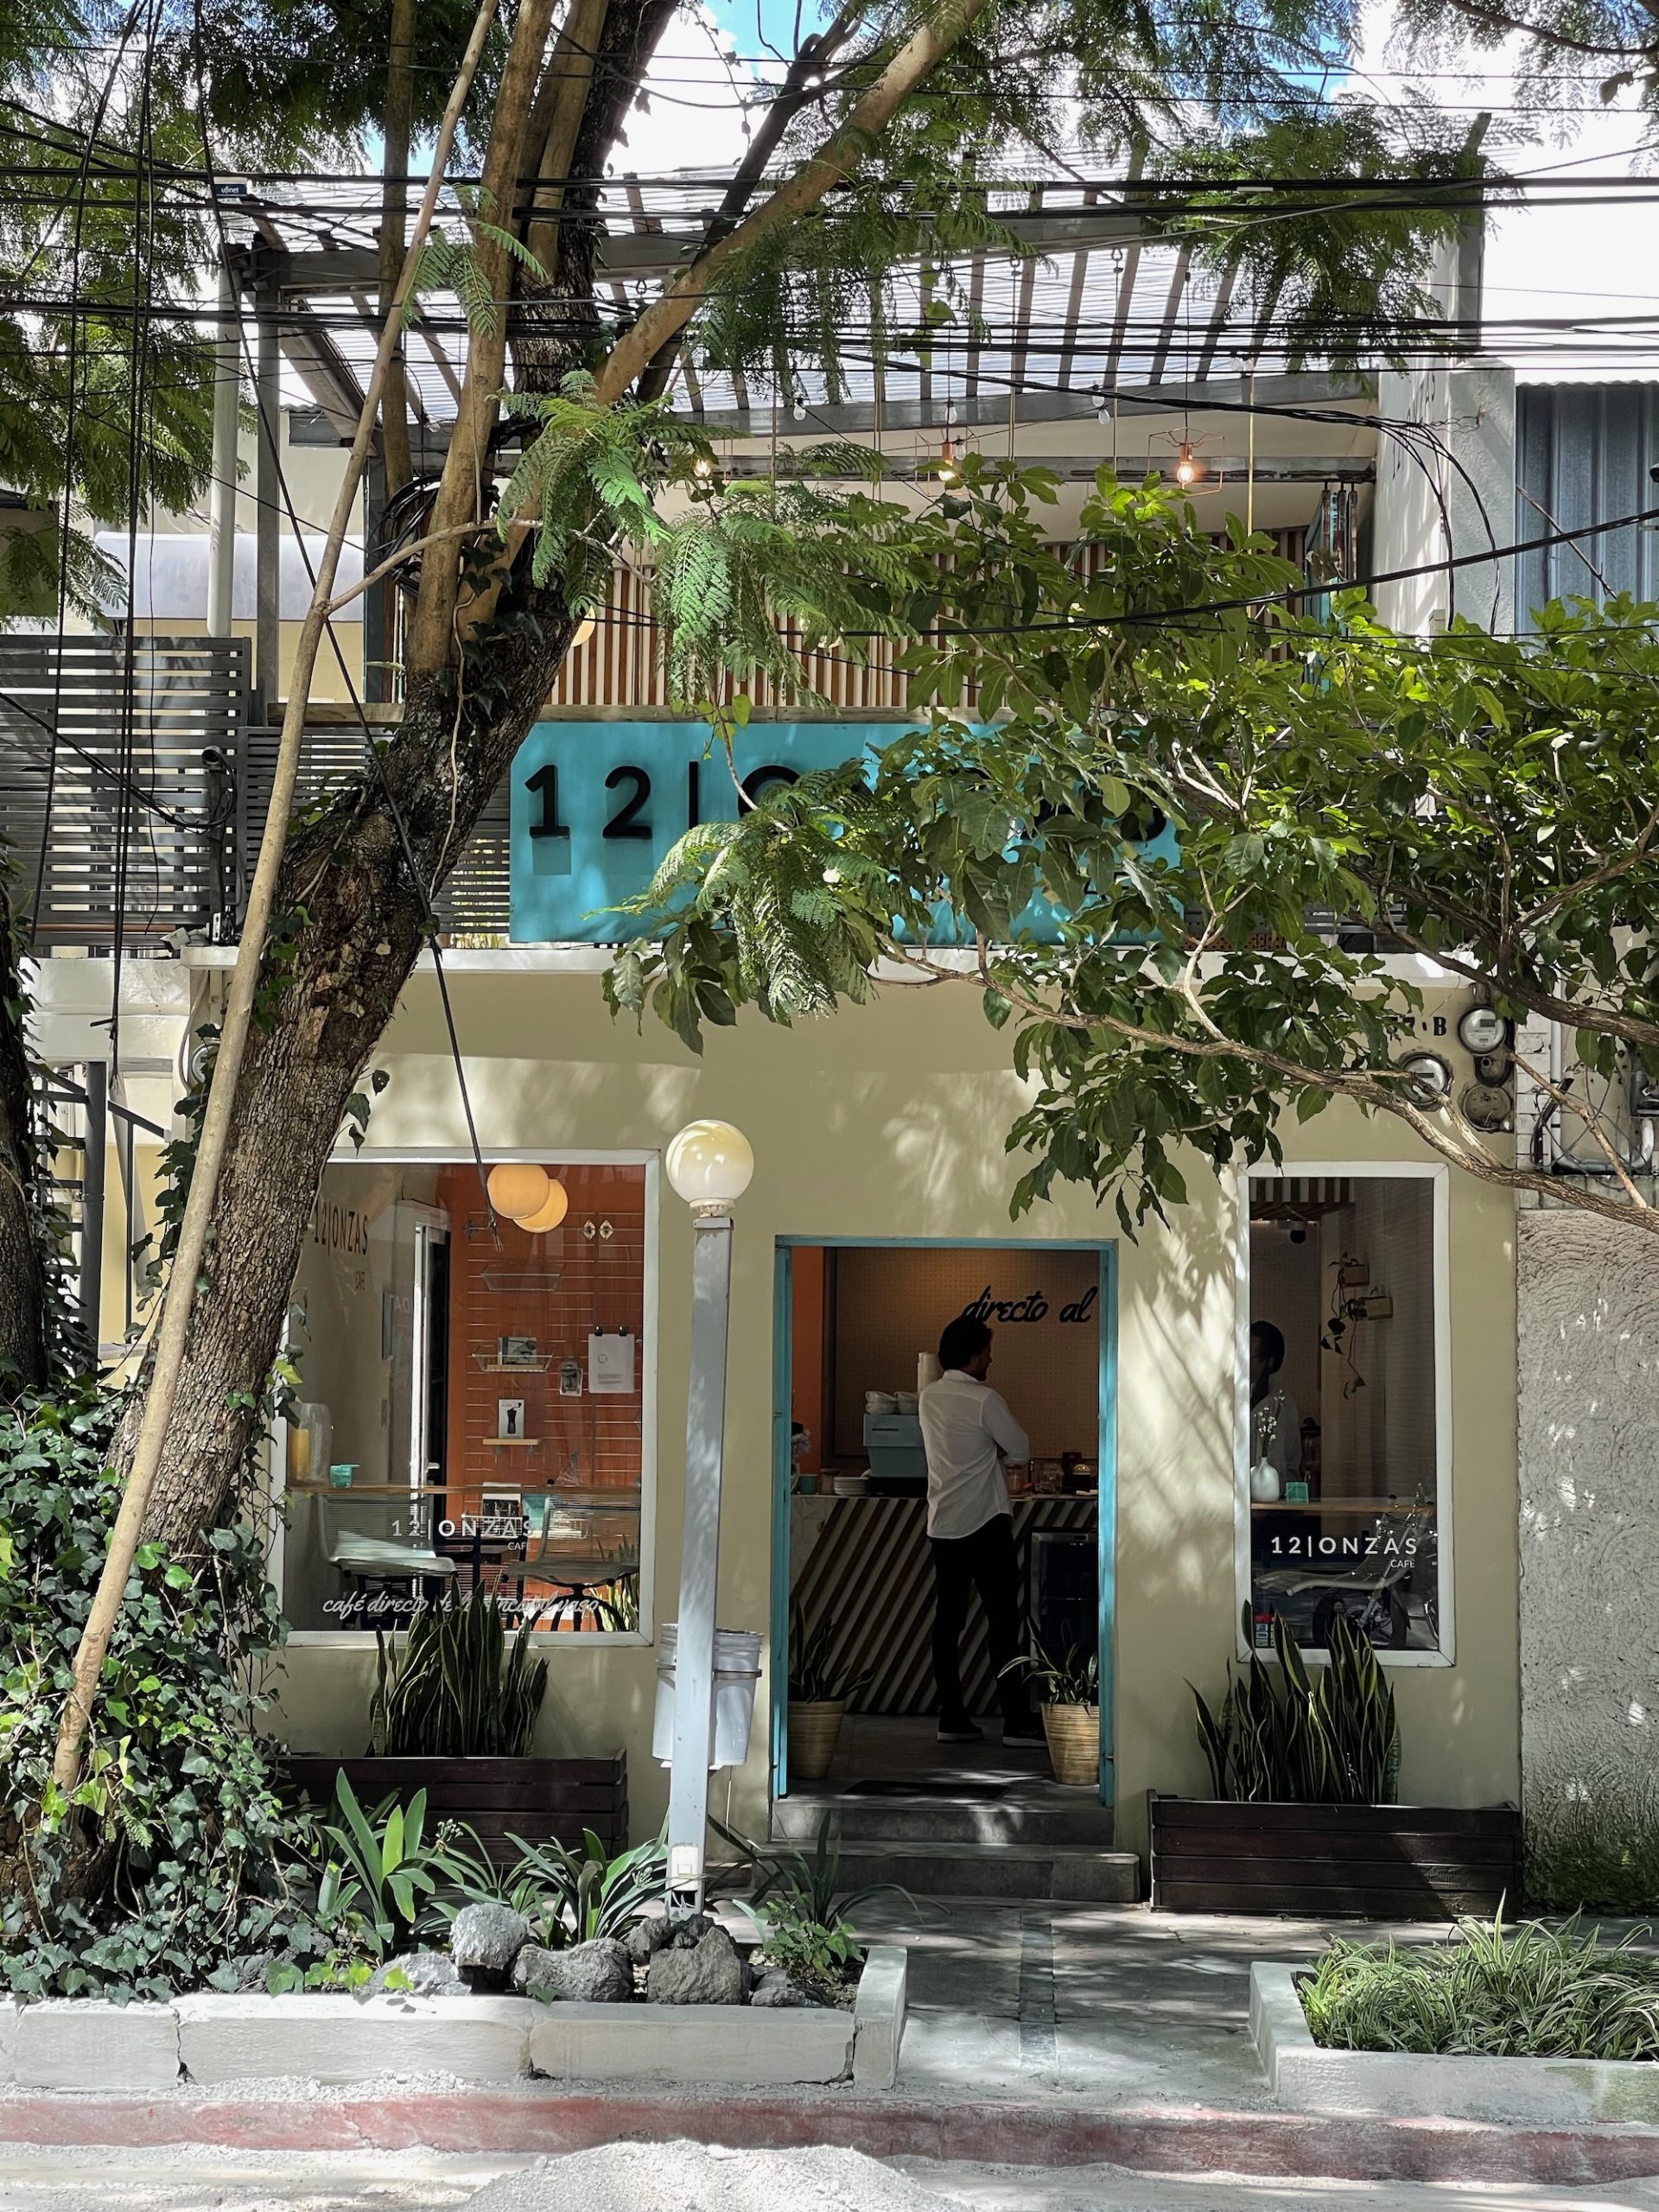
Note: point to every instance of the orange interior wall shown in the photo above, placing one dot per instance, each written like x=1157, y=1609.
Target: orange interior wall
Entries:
x=593, y=1442
x=807, y=1402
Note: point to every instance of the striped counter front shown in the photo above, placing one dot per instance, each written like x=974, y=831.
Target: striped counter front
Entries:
x=864, y=1564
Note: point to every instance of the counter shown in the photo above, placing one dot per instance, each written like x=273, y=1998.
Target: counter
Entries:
x=864, y=1564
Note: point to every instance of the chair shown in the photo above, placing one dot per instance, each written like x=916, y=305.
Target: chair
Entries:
x=363, y=1559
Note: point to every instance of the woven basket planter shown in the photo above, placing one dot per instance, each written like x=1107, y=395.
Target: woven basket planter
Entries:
x=1073, y=1733
x=814, y=1732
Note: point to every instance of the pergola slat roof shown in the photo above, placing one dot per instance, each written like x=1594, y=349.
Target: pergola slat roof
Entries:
x=1096, y=302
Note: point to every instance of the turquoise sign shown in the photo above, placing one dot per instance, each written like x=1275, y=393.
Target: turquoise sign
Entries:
x=597, y=807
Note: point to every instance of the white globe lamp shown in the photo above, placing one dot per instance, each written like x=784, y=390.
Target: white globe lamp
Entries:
x=709, y=1165
x=518, y=1187
x=549, y=1215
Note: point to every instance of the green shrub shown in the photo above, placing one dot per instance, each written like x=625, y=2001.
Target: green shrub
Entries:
x=822, y=1956
x=567, y=1895
x=1597, y=1849
x=1530, y=1991
x=176, y=1856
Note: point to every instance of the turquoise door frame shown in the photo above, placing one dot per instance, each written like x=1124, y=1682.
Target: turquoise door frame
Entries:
x=782, y=1348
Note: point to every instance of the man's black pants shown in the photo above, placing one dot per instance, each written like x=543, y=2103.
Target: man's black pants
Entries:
x=984, y=1560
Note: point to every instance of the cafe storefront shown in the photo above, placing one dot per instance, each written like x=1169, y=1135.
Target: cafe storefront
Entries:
x=484, y=1404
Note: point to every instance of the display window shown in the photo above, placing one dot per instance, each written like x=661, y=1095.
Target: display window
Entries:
x=475, y=1404
x=1341, y=1420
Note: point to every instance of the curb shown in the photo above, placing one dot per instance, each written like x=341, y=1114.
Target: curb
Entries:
x=1170, y=2140
x=104, y=2050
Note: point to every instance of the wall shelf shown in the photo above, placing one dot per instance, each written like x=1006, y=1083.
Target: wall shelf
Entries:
x=513, y=1443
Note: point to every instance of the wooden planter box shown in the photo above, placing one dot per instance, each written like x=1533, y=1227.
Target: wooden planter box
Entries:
x=1377, y=1862
x=545, y=1800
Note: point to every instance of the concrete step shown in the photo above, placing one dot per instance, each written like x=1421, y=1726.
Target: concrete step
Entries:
x=1072, y=1873
x=1035, y=1818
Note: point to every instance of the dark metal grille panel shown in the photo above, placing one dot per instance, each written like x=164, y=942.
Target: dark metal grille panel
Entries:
x=110, y=752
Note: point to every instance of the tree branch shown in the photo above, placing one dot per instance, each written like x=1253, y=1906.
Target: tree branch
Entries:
x=793, y=94
x=467, y=467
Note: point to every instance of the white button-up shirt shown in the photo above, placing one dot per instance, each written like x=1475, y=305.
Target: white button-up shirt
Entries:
x=967, y=1431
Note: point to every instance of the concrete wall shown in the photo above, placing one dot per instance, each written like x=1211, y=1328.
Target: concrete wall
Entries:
x=889, y=1122
x=1426, y=507
x=1588, y=1332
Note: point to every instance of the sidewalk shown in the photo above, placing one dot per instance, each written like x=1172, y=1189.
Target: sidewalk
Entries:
x=1109, y=2007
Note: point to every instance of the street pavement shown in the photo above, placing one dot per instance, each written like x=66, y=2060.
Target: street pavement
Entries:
x=174, y=2181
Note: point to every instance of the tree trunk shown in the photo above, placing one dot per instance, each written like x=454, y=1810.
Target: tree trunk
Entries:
x=22, y=1271
x=365, y=926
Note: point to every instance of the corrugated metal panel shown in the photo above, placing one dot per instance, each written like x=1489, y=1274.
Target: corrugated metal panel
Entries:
x=1582, y=453
x=96, y=756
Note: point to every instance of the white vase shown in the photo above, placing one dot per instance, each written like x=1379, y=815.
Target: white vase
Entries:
x=1265, y=1486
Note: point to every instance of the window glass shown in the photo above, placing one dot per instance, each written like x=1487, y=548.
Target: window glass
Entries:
x=1340, y=1471
x=472, y=1407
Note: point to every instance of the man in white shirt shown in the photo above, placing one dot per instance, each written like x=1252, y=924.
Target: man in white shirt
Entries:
x=967, y=1431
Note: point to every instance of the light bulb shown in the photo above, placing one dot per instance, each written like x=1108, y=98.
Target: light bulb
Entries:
x=549, y=1215
x=709, y=1165
x=949, y=473
x=518, y=1188
x=1186, y=468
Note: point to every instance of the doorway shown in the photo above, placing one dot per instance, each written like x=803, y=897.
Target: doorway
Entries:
x=849, y=1541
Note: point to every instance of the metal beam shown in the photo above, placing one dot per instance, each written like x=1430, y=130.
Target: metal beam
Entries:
x=321, y=273
x=1309, y=389
x=310, y=351
x=268, y=628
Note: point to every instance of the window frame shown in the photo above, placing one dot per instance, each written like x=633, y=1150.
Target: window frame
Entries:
x=360, y=1639
x=1437, y=1174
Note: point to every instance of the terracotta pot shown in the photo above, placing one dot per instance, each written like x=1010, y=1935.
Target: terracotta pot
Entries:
x=814, y=1732
x=1073, y=1733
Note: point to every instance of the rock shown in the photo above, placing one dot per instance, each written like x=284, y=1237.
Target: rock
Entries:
x=485, y=1940
x=588, y=1973
x=776, y=1987
x=711, y=1972
x=687, y=1934
x=647, y=1937
x=429, y=1973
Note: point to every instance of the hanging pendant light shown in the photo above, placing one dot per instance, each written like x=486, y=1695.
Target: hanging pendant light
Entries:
x=518, y=1187
x=550, y=1213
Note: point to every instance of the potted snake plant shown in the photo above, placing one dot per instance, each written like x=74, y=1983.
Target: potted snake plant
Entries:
x=453, y=1714
x=1304, y=1756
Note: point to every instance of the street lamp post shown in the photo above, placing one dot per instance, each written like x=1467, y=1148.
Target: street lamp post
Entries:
x=709, y=1164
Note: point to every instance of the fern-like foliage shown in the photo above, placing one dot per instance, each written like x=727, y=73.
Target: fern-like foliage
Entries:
x=729, y=563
